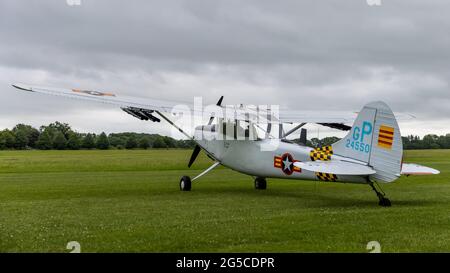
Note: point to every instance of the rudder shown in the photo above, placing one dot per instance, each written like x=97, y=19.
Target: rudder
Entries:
x=374, y=139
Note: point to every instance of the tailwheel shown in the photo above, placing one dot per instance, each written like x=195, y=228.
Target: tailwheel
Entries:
x=185, y=183
x=384, y=202
x=260, y=183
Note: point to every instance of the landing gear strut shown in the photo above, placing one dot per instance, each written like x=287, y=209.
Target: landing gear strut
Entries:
x=260, y=183
x=384, y=202
x=186, y=181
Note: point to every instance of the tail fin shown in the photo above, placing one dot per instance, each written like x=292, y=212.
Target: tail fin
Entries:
x=374, y=139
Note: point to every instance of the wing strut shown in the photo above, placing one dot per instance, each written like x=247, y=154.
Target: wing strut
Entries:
x=294, y=129
x=174, y=125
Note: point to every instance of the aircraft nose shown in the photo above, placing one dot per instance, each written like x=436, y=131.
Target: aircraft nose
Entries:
x=22, y=86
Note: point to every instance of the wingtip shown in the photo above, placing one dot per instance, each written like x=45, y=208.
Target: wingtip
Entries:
x=22, y=87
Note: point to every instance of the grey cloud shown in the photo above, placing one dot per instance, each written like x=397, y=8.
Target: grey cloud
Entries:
x=300, y=54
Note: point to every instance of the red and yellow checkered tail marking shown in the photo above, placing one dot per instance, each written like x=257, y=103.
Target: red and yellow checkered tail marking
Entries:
x=326, y=177
x=386, y=137
x=322, y=153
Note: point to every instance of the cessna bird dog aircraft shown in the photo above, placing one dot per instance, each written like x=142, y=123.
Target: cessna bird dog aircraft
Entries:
x=371, y=152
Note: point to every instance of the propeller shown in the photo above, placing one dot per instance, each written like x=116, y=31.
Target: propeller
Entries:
x=197, y=148
x=194, y=155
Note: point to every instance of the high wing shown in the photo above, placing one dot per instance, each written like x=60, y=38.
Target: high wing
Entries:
x=106, y=97
x=334, y=119
x=415, y=169
x=319, y=116
x=239, y=112
x=338, y=167
x=340, y=120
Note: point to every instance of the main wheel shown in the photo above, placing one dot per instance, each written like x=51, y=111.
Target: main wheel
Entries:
x=185, y=183
x=260, y=183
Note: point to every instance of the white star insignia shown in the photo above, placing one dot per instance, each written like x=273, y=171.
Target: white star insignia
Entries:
x=287, y=164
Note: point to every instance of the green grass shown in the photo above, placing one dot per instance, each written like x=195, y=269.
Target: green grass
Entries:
x=129, y=201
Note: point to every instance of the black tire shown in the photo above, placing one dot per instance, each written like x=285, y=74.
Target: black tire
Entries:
x=384, y=202
x=185, y=183
x=260, y=183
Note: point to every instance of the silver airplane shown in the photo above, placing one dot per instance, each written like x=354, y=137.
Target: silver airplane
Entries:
x=371, y=152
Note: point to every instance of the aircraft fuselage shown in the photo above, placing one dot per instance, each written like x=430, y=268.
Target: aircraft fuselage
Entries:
x=268, y=158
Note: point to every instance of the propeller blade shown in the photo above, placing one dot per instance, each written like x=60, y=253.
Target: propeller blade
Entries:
x=210, y=120
x=218, y=104
x=220, y=101
x=194, y=155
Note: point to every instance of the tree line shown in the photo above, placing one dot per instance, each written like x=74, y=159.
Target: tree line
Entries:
x=60, y=136
x=430, y=141
x=411, y=142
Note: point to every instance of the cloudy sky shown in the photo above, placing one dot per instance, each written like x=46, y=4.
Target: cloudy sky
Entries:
x=327, y=54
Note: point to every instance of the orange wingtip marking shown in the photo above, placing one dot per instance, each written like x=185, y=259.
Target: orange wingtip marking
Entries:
x=93, y=93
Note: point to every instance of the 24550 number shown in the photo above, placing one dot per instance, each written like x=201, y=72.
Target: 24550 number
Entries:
x=358, y=146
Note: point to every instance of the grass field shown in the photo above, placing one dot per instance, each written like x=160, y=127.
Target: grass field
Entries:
x=129, y=201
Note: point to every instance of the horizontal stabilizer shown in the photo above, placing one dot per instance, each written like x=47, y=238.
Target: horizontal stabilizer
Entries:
x=414, y=169
x=337, y=167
